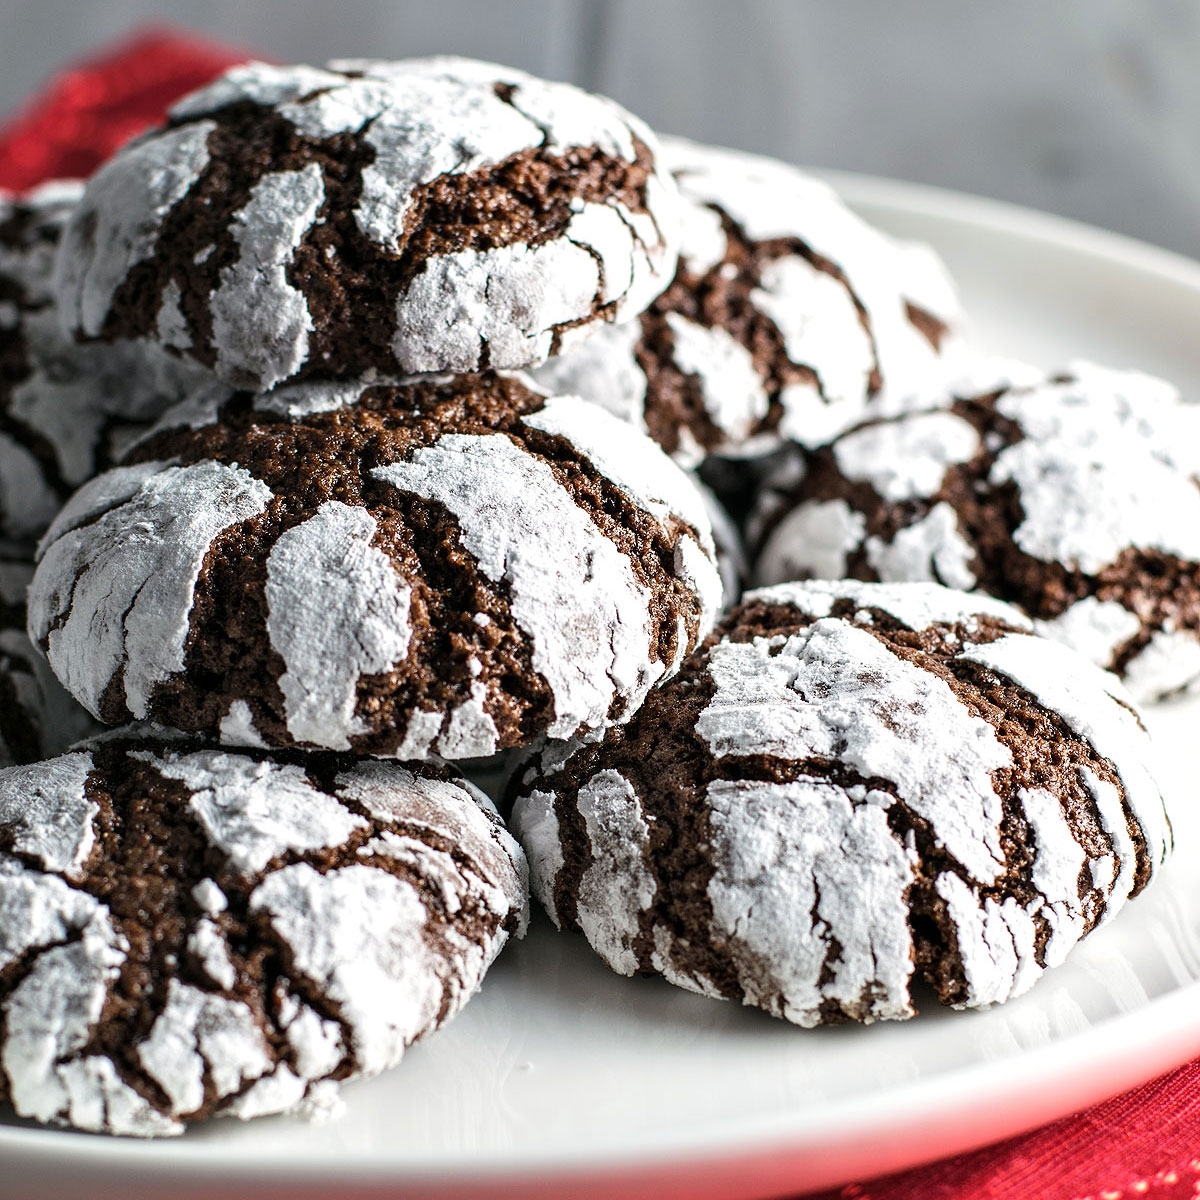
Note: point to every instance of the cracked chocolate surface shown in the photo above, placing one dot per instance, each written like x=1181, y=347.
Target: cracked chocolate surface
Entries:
x=66, y=411
x=428, y=215
x=189, y=932
x=788, y=319
x=849, y=788
x=37, y=717
x=448, y=567
x=1074, y=496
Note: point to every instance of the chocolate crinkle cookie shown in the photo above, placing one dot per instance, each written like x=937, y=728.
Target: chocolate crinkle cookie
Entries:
x=37, y=717
x=450, y=566
x=1076, y=496
x=850, y=788
x=66, y=411
x=187, y=932
x=789, y=318
x=429, y=215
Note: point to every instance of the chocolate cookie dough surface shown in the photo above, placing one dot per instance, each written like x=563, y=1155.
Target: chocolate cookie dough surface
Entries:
x=449, y=566
x=788, y=319
x=849, y=789
x=188, y=933
x=37, y=717
x=1076, y=496
x=66, y=411
x=429, y=215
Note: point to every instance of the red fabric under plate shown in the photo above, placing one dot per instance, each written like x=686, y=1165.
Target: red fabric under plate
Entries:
x=91, y=109
x=1143, y=1145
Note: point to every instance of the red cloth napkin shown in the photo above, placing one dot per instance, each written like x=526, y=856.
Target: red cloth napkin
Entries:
x=89, y=110
x=1143, y=1145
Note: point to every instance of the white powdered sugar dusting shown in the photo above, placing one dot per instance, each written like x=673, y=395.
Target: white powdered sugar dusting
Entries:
x=336, y=611
x=574, y=595
x=114, y=596
x=453, y=809
x=98, y=496
x=1168, y=664
x=811, y=542
x=206, y=943
x=820, y=326
x=1095, y=628
x=49, y=1016
x=426, y=127
x=603, y=370
x=1097, y=472
x=808, y=873
x=638, y=466
x=1095, y=705
x=928, y=550
x=617, y=887
x=359, y=935
x=730, y=385
x=260, y=323
x=907, y=459
x=833, y=692
x=210, y=897
x=262, y=83
x=916, y=605
x=27, y=502
x=117, y=222
x=769, y=200
x=470, y=732
x=1058, y=862
x=46, y=813
x=535, y=823
x=500, y=306
x=255, y=811
x=199, y=1037
x=995, y=941
x=237, y=727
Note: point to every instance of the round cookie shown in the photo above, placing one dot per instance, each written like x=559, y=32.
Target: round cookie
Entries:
x=1076, y=496
x=788, y=319
x=187, y=932
x=66, y=411
x=37, y=717
x=429, y=215
x=450, y=566
x=849, y=789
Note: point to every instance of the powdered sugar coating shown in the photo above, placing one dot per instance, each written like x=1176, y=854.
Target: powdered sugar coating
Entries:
x=338, y=611
x=38, y=719
x=384, y=581
x=255, y=811
x=781, y=937
x=1076, y=495
x=117, y=222
x=812, y=321
x=829, y=812
x=67, y=409
x=47, y=813
x=112, y=599
x=260, y=322
x=388, y=909
x=593, y=614
x=371, y=144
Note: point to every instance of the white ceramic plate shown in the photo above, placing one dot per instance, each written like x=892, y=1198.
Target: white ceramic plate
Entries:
x=561, y=1079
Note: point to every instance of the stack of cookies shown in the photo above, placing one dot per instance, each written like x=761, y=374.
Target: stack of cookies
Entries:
x=393, y=389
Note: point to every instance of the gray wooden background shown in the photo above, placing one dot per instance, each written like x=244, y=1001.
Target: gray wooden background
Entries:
x=1089, y=108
